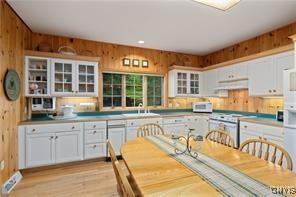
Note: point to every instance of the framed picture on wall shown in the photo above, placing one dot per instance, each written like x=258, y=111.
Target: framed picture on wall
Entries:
x=136, y=62
x=145, y=63
x=126, y=62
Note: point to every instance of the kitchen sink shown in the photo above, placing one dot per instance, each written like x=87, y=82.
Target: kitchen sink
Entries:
x=135, y=115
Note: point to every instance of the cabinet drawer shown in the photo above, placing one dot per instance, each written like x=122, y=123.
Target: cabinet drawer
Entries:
x=50, y=128
x=95, y=135
x=95, y=150
x=262, y=129
x=95, y=125
x=174, y=120
x=140, y=122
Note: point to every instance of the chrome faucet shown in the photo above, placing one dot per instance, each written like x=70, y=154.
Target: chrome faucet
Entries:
x=139, y=108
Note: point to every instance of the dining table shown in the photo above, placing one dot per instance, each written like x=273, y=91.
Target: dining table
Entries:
x=157, y=172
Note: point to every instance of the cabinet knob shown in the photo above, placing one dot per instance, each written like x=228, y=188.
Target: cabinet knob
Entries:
x=33, y=130
x=94, y=126
x=245, y=126
x=274, y=90
x=95, y=132
x=76, y=91
x=51, y=137
x=269, y=91
x=56, y=137
x=73, y=127
x=132, y=123
x=94, y=146
x=265, y=139
x=260, y=137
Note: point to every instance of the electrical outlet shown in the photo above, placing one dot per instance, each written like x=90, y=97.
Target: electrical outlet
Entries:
x=2, y=165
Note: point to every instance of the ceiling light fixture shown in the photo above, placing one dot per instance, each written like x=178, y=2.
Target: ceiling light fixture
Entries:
x=219, y=4
x=141, y=42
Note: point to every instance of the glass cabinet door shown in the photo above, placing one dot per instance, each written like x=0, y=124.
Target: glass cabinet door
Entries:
x=194, y=83
x=63, y=73
x=86, y=78
x=181, y=83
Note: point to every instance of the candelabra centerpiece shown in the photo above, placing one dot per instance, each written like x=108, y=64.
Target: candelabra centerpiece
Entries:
x=187, y=139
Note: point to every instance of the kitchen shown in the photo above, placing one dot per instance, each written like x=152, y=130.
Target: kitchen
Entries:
x=77, y=94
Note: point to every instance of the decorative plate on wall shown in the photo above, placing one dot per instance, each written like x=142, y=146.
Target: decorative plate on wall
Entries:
x=12, y=85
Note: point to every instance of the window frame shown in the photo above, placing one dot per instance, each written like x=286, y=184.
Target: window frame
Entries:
x=144, y=88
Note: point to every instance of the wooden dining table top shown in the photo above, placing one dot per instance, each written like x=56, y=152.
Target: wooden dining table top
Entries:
x=158, y=174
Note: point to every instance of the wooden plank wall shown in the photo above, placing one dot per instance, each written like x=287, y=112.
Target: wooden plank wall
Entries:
x=112, y=54
x=14, y=38
x=264, y=42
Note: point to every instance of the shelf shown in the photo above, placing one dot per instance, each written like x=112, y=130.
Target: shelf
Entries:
x=37, y=81
x=37, y=70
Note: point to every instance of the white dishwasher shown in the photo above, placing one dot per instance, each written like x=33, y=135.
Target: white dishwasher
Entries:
x=174, y=125
x=116, y=134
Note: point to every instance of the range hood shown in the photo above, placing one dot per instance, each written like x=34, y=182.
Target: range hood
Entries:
x=233, y=85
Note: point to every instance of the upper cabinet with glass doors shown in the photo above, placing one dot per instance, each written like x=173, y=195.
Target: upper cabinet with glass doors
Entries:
x=74, y=78
x=184, y=83
x=47, y=77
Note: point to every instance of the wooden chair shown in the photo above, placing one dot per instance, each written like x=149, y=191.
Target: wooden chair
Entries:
x=123, y=183
x=221, y=137
x=149, y=129
x=262, y=149
x=124, y=191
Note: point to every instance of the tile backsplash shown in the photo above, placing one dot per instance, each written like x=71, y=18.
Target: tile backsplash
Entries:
x=237, y=100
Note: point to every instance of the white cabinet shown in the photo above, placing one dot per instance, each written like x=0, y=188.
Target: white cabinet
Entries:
x=210, y=83
x=69, y=146
x=252, y=130
x=117, y=137
x=37, y=76
x=50, y=144
x=95, y=137
x=174, y=125
x=283, y=61
x=184, y=83
x=74, y=78
x=200, y=124
x=234, y=72
x=266, y=74
x=40, y=149
x=132, y=126
x=46, y=77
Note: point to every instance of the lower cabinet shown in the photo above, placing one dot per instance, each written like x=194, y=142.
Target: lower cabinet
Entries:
x=40, y=149
x=265, y=132
x=200, y=124
x=68, y=146
x=174, y=125
x=50, y=148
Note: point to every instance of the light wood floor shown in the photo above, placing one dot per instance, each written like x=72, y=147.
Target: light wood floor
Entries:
x=89, y=179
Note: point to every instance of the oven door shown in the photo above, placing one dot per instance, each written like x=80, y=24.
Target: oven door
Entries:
x=231, y=128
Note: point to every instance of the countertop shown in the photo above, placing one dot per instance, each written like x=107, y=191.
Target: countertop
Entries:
x=265, y=121
x=90, y=118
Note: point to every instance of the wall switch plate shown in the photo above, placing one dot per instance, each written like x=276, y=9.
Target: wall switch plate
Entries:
x=2, y=165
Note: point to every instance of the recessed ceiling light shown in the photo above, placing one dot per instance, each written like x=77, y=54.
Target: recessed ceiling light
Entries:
x=141, y=42
x=219, y=4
